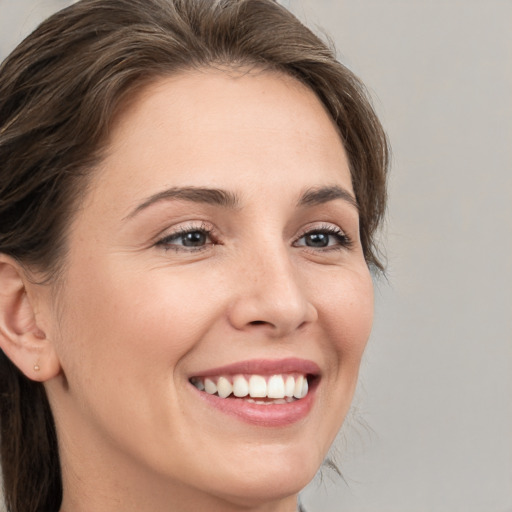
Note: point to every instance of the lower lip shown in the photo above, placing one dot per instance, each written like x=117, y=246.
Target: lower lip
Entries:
x=273, y=415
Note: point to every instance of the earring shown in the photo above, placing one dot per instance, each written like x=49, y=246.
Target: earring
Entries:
x=36, y=367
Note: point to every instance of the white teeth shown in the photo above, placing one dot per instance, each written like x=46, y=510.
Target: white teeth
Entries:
x=305, y=388
x=281, y=389
x=210, y=387
x=289, y=386
x=257, y=386
x=240, y=386
x=275, y=387
x=259, y=402
x=299, y=381
x=224, y=387
x=280, y=401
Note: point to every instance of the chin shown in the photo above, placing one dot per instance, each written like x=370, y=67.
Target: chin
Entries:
x=269, y=487
x=274, y=474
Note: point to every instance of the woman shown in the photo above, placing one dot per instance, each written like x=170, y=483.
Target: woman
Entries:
x=189, y=195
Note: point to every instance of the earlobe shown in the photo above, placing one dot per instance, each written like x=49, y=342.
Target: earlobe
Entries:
x=21, y=339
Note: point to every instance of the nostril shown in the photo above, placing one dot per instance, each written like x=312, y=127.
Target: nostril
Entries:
x=257, y=322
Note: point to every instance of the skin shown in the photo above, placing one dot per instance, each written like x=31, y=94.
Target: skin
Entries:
x=132, y=319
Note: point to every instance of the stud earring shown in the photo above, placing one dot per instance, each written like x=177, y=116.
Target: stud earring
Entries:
x=36, y=367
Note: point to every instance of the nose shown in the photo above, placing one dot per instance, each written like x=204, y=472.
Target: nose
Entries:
x=271, y=296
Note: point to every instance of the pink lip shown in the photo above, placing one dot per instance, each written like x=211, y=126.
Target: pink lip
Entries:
x=264, y=367
x=273, y=415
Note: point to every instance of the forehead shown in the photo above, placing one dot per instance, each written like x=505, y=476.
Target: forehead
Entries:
x=216, y=128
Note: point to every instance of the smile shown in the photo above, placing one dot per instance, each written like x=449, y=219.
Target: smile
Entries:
x=269, y=393
x=273, y=389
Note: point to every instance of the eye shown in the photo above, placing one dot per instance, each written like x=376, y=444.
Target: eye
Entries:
x=186, y=239
x=324, y=237
x=192, y=238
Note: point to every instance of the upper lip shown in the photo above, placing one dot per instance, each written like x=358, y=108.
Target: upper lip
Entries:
x=264, y=367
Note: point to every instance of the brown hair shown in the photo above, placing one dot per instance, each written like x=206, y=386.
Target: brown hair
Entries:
x=59, y=92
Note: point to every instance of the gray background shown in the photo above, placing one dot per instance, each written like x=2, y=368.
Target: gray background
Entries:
x=431, y=429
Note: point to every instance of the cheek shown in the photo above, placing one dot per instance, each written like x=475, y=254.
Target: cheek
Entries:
x=346, y=308
x=133, y=319
x=123, y=337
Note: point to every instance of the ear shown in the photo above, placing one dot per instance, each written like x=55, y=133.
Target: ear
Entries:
x=21, y=339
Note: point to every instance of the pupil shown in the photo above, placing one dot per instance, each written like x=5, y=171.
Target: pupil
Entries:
x=194, y=239
x=318, y=240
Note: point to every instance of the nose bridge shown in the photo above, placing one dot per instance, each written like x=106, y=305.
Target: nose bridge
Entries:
x=271, y=294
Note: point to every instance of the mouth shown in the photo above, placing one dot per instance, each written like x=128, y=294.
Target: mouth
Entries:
x=259, y=389
x=265, y=393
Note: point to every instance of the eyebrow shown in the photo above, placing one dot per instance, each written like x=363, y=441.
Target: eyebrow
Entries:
x=321, y=195
x=226, y=199
x=213, y=196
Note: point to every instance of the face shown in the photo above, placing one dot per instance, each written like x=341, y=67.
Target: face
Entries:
x=216, y=253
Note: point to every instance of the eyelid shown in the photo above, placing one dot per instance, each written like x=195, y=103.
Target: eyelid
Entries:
x=321, y=226
x=184, y=228
x=345, y=240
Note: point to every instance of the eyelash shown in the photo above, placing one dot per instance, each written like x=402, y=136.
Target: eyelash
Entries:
x=204, y=229
x=343, y=241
